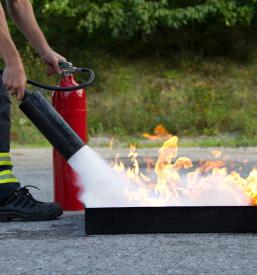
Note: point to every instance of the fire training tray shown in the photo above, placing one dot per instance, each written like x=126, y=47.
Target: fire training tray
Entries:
x=199, y=219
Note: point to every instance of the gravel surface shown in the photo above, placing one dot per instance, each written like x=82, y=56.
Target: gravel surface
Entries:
x=61, y=247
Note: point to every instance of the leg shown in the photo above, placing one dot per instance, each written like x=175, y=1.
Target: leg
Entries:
x=17, y=202
x=8, y=182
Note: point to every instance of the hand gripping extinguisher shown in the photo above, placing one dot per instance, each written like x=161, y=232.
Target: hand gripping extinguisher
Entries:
x=72, y=106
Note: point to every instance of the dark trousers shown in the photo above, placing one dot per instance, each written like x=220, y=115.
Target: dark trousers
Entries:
x=6, y=186
x=5, y=122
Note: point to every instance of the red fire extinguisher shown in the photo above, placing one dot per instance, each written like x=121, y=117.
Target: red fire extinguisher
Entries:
x=72, y=106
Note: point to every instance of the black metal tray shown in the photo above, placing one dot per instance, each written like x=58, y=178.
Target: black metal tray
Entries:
x=137, y=220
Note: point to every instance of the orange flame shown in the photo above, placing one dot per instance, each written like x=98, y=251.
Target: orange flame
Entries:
x=159, y=133
x=216, y=153
x=210, y=165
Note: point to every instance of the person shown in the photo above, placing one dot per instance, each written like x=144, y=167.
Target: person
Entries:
x=16, y=202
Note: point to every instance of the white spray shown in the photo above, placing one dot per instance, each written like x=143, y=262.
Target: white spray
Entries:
x=102, y=186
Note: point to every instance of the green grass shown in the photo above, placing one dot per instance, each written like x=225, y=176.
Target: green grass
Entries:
x=126, y=141
x=198, y=141
x=206, y=102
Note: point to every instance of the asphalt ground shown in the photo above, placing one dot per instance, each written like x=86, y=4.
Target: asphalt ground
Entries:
x=61, y=246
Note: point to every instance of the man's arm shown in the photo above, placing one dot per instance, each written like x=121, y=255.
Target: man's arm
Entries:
x=22, y=13
x=14, y=77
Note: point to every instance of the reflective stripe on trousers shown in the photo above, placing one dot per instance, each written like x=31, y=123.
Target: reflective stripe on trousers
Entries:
x=5, y=160
x=7, y=177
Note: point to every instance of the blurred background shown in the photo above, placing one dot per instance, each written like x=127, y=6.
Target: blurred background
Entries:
x=188, y=65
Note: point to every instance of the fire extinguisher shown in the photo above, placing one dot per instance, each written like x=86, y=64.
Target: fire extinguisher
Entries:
x=72, y=106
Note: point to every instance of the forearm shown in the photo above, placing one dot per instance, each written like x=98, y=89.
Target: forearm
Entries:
x=8, y=49
x=22, y=13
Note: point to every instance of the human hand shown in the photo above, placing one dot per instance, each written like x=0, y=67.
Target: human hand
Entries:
x=14, y=79
x=52, y=60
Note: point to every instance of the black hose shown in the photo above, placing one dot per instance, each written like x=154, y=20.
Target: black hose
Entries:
x=86, y=83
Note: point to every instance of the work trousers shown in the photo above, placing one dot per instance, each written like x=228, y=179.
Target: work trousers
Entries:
x=8, y=182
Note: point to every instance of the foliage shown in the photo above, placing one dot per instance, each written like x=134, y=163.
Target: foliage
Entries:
x=124, y=19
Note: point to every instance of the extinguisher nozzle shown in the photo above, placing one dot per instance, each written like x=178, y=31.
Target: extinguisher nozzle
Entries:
x=50, y=123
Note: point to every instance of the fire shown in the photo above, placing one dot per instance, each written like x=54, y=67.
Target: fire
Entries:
x=159, y=133
x=216, y=153
x=177, y=181
x=210, y=165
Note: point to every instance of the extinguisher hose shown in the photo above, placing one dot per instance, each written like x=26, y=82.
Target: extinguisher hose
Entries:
x=84, y=84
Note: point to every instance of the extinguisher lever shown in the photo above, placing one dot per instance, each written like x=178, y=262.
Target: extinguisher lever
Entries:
x=67, y=67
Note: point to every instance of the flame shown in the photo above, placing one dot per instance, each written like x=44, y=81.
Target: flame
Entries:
x=210, y=165
x=216, y=153
x=111, y=143
x=159, y=133
x=177, y=182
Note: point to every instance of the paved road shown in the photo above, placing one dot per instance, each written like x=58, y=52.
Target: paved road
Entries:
x=61, y=247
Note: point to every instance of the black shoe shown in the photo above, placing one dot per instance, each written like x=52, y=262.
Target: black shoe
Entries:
x=22, y=206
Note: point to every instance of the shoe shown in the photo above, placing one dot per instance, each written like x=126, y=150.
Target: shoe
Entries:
x=22, y=206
